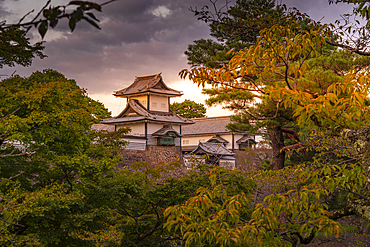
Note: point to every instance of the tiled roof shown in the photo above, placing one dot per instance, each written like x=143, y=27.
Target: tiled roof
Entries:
x=101, y=127
x=151, y=83
x=165, y=130
x=245, y=138
x=208, y=125
x=211, y=149
x=135, y=112
x=218, y=138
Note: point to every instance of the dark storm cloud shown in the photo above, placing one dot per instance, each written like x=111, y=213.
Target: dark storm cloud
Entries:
x=138, y=37
x=4, y=12
x=320, y=9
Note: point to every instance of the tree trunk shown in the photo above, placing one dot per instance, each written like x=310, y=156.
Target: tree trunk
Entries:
x=277, y=142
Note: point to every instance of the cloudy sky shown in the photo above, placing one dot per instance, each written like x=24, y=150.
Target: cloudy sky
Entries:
x=138, y=37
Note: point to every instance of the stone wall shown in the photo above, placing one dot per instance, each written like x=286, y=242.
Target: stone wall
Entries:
x=152, y=155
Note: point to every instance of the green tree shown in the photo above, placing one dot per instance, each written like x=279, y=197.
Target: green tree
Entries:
x=133, y=201
x=236, y=29
x=233, y=29
x=189, y=109
x=47, y=152
x=323, y=89
x=243, y=83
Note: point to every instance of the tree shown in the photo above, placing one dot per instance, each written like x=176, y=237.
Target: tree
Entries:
x=47, y=151
x=234, y=28
x=31, y=142
x=244, y=82
x=246, y=19
x=294, y=70
x=189, y=109
x=348, y=32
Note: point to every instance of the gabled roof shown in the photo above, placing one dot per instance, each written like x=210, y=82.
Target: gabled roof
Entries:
x=218, y=138
x=245, y=138
x=146, y=84
x=207, y=125
x=136, y=112
x=165, y=130
x=212, y=149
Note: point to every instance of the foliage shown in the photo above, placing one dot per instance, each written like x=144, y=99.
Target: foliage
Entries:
x=290, y=75
x=189, y=109
x=283, y=219
x=16, y=49
x=234, y=28
x=136, y=197
x=351, y=32
x=240, y=28
x=47, y=151
x=52, y=15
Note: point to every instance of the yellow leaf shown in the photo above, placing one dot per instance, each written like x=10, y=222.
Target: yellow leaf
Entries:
x=336, y=232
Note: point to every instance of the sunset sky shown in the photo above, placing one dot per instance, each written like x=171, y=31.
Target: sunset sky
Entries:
x=138, y=37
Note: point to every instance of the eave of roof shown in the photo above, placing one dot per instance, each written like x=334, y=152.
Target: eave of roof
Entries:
x=245, y=138
x=144, y=115
x=212, y=149
x=163, y=131
x=147, y=84
x=218, y=138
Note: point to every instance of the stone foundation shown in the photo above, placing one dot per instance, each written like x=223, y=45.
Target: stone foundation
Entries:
x=153, y=155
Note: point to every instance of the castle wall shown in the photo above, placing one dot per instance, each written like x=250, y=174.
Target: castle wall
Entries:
x=152, y=155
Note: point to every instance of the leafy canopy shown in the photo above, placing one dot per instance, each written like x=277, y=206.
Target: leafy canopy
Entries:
x=189, y=109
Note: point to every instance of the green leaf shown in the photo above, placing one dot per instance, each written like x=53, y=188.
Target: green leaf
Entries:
x=92, y=16
x=91, y=22
x=43, y=28
x=7, y=216
x=72, y=24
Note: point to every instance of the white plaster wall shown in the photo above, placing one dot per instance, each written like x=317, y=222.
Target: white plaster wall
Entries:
x=177, y=128
x=158, y=103
x=193, y=141
x=236, y=138
x=259, y=138
x=153, y=127
x=142, y=99
x=229, y=138
x=136, y=129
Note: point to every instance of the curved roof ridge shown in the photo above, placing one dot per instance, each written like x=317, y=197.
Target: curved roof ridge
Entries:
x=144, y=84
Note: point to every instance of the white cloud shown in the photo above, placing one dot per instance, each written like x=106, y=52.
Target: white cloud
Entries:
x=161, y=11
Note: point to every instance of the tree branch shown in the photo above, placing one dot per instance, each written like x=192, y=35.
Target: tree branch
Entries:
x=349, y=48
x=10, y=114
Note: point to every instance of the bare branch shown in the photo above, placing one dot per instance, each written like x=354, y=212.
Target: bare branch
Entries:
x=348, y=47
x=10, y=114
x=5, y=179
